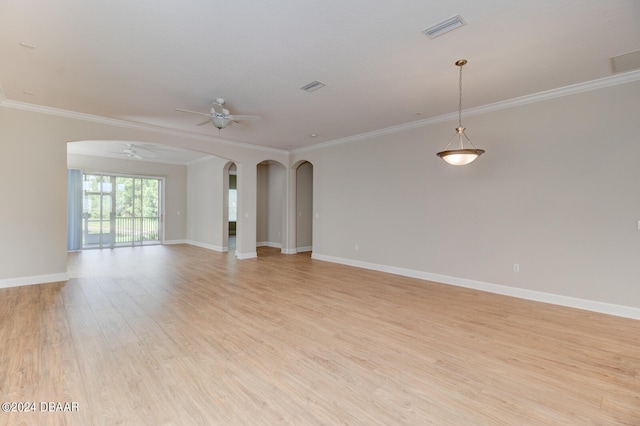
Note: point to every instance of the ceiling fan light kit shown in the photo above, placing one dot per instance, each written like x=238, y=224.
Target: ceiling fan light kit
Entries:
x=219, y=116
x=461, y=155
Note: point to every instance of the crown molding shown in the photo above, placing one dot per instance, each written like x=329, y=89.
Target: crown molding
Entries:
x=201, y=160
x=608, y=81
x=573, y=89
x=129, y=124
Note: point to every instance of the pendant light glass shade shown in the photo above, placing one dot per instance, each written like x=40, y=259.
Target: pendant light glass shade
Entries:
x=461, y=155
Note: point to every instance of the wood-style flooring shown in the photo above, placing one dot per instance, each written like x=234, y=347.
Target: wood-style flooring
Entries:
x=179, y=335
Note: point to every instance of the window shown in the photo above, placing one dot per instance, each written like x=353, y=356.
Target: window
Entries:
x=121, y=210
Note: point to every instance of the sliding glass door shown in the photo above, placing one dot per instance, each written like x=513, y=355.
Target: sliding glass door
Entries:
x=121, y=210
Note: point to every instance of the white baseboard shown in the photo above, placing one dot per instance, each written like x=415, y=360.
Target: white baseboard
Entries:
x=243, y=256
x=169, y=242
x=269, y=244
x=571, y=302
x=36, y=279
x=297, y=250
x=223, y=249
x=207, y=246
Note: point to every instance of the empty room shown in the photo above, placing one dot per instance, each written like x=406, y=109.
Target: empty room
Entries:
x=319, y=213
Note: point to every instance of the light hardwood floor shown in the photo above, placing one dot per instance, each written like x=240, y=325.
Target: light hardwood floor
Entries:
x=183, y=335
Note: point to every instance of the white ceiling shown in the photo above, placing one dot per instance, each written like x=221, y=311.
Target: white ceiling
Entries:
x=138, y=61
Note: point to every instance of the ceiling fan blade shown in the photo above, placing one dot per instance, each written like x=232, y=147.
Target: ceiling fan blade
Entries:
x=146, y=150
x=203, y=123
x=193, y=112
x=146, y=154
x=243, y=117
x=138, y=150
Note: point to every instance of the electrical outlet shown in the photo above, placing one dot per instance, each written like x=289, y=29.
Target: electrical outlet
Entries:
x=516, y=267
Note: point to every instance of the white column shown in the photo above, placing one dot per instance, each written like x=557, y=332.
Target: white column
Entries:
x=246, y=221
x=289, y=225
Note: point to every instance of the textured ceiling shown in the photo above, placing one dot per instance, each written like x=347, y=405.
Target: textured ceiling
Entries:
x=138, y=61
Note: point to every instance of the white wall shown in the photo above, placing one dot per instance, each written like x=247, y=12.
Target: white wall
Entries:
x=262, y=204
x=175, y=181
x=277, y=186
x=206, y=203
x=33, y=224
x=556, y=192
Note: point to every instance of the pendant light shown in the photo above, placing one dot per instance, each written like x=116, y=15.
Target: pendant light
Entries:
x=462, y=155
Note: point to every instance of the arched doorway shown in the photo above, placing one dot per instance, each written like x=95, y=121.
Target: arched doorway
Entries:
x=270, y=204
x=229, y=207
x=304, y=207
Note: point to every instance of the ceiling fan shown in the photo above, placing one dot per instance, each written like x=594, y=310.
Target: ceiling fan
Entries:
x=220, y=116
x=131, y=151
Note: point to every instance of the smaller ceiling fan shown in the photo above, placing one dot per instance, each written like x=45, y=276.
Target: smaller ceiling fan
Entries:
x=132, y=151
x=220, y=116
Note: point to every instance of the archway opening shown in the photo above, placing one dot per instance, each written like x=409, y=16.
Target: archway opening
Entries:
x=270, y=204
x=230, y=206
x=304, y=207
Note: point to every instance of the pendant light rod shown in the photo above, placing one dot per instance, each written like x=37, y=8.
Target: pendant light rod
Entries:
x=460, y=63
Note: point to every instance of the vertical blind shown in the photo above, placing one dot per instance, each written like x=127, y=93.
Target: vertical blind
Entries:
x=74, y=209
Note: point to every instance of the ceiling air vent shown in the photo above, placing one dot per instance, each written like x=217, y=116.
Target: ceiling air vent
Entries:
x=444, y=26
x=314, y=85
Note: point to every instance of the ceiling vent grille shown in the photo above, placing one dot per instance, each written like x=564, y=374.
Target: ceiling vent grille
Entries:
x=314, y=85
x=444, y=26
